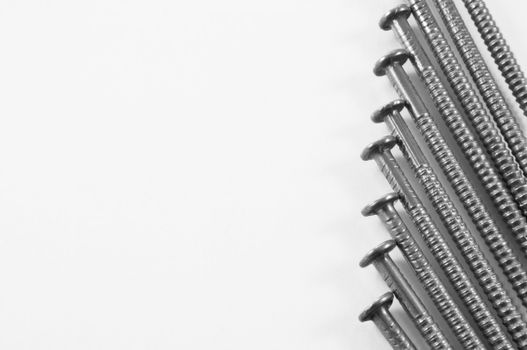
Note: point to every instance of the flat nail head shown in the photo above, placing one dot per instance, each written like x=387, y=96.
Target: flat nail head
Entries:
x=400, y=11
x=379, y=115
x=384, y=302
x=379, y=146
x=379, y=204
x=398, y=56
x=381, y=250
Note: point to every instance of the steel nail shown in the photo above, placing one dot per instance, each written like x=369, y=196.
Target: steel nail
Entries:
x=379, y=313
x=380, y=152
x=385, y=209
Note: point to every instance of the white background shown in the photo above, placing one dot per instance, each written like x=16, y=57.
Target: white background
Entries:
x=186, y=174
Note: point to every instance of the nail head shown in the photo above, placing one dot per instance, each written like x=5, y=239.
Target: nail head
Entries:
x=375, y=207
x=387, y=142
x=400, y=11
x=379, y=115
x=381, y=250
x=385, y=301
x=398, y=56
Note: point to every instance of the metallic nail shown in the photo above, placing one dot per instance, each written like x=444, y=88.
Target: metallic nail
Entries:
x=487, y=131
x=499, y=50
x=455, y=174
x=460, y=281
x=379, y=313
x=486, y=226
x=409, y=300
x=465, y=242
x=494, y=144
x=492, y=96
x=384, y=208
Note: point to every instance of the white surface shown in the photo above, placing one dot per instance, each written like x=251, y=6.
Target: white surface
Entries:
x=186, y=174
